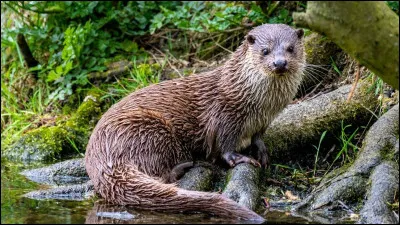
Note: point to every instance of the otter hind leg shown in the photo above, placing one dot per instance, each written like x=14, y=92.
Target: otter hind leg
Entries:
x=179, y=170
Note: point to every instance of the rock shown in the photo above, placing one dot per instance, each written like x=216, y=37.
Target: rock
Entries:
x=76, y=192
x=50, y=143
x=116, y=215
x=67, y=172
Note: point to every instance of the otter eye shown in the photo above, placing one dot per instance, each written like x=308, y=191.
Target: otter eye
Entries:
x=265, y=51
x=290, y=49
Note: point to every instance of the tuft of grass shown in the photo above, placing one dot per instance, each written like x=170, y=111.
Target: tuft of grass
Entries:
x=346, y=145
x=335, y=67
x=72, y=142
x=139, y=77
x=316, y=156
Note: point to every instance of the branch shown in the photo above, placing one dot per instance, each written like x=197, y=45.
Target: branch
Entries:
x=26, y=53
x=368, y=31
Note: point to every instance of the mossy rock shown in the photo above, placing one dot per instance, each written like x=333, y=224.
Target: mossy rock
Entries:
x=320, y=49
x=42, y=144
x=87, y=114
x=320, y=55
x=50, y=143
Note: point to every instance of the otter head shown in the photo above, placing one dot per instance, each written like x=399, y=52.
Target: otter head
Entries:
x=277, y=48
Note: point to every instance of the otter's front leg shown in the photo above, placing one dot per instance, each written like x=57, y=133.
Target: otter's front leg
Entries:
x=224, y=141
x=261, y=152
x=258, y=149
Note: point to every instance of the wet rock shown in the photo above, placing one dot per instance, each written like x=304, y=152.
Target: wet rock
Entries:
x=67, y=172
x=76, y=192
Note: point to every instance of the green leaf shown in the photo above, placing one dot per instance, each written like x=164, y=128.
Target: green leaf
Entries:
x=59, y=69
x=68, y=67
x=52, y=76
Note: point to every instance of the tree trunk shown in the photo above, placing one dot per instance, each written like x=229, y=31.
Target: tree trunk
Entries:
x=368, y=31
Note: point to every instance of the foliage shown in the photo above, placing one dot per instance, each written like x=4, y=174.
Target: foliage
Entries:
x=317, y=148
x=73, y=38
x=206, y=16
x=394, y=5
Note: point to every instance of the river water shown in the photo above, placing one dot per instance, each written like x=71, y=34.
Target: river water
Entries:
x=17, y=209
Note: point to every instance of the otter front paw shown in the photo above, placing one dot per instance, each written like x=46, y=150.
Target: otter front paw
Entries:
x=233, y=158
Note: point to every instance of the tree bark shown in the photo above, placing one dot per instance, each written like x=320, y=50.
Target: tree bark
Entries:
x=26, y=53
x=368, y=31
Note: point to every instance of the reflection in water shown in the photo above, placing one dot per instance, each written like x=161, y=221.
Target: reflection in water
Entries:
x=18, y=209
x=103, y=213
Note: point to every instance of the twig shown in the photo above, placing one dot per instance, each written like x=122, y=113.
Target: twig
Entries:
x=354, y=83
x=224, y=48
x=329, y=152
x=169, y=63
x=345, y=206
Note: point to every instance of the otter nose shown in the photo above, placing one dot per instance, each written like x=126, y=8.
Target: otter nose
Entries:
x=280, y=64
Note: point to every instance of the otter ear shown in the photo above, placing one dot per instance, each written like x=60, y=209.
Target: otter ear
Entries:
x=251, y=39
x=300, y=33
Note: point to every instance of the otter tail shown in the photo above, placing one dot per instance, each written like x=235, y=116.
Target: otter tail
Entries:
x=129, y=186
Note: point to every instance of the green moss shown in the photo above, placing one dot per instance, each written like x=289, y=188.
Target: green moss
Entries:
x=70, y=105
x=42, y=144
x=86, y=115
x=48, y=143
x=319, y=49
x=227, y=178
x=387, y=153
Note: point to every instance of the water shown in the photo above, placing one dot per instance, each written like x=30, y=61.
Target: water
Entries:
x=17, y=209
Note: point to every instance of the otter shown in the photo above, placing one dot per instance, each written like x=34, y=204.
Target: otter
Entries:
x=144, y=138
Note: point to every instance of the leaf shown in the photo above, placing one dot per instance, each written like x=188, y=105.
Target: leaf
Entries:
x=52, y=76
x=68, y=67
x=59, y=69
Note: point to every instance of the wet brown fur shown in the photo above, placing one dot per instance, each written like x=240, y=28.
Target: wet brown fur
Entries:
x=140, y=139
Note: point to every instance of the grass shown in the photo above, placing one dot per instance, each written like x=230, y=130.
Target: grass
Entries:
x=335, y=67
x=139, y=77
x=316, y=156
x=72, y=142
x=19, y=115
x=377, y=87
x=346, y=144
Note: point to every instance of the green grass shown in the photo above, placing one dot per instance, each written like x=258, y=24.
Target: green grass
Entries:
x=335, y=67
x=346, y=146
x=19, y=115
x=72, y=142
x=139, y=77
x=316, y=156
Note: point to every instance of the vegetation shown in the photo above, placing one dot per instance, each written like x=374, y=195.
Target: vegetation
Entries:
x=70, y=40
